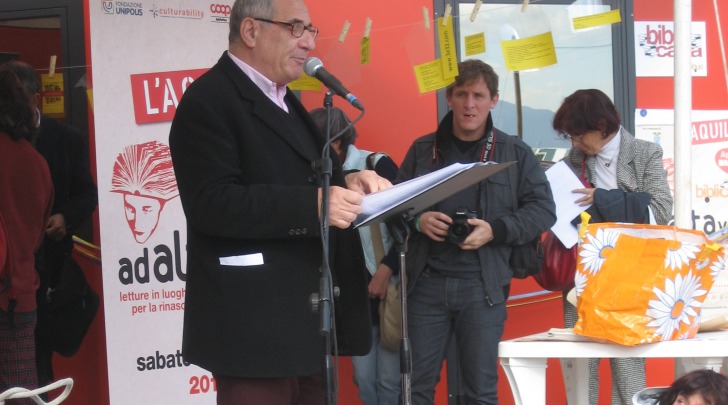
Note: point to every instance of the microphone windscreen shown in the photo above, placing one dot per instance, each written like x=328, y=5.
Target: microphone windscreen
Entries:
x=311, y=65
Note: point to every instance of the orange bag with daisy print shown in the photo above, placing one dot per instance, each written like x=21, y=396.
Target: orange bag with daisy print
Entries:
x=638, y=283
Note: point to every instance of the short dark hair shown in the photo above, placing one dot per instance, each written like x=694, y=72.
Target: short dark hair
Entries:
x=248, y=8
x=586, y=110
x=26, y=73
x=339, y=121
x=17, y=117
x=470, y=71
x=711, y=385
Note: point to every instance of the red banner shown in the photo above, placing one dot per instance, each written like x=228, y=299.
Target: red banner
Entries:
x=710, y=131
x=156, y=95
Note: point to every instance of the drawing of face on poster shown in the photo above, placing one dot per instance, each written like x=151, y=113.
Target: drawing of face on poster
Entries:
x=144, y=175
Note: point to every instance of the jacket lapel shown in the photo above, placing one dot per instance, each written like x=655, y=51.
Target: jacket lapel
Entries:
x=270, y=114
x=627, y=155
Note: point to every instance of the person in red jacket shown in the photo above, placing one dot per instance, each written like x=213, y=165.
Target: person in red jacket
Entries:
x=26, y=198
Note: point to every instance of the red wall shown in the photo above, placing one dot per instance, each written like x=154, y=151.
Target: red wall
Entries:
x=34, y=45
x=396, y=112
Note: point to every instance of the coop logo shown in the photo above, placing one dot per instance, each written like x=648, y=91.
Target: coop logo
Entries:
x=143, y=175
x=658, y=41
x=122, y=8
x=174, y=12
x=220, y=13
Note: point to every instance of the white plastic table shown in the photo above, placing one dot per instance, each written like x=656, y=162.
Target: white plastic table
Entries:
x=524, y=361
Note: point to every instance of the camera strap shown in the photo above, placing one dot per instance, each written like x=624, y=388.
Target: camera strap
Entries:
x=487, y=153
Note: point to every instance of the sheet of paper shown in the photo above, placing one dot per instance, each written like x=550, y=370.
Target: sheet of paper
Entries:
x=376, y=202
x=563, y=180
x=421, y=192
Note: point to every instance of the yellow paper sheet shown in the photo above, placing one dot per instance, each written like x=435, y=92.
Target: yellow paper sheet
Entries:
x=52, y=93
x=429, y=76
x=596, y=20
x=529, y=53
x=365, y=51
x=448, y=58
x=305, y=82
x=475, y=44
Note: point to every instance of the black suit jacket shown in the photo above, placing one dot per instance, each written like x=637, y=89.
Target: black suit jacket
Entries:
x=249, y=194
x=65, y=150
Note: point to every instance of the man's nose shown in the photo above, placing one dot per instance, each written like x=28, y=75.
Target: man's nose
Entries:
x=307, y=41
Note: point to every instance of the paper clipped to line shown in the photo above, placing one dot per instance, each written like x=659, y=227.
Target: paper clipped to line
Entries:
x=415, y=195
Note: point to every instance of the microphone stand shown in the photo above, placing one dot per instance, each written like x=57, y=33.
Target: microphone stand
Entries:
x=400, y=232
x=323, y=301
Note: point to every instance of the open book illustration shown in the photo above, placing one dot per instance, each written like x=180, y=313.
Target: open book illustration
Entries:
x=415, y=195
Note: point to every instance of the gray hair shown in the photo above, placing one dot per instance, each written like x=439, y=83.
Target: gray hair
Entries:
x=248, y=8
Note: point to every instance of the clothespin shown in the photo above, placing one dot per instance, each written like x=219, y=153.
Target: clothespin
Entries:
x=523, y=7
x=426, y=16
x=52, y=68
x=344, y=31
x=476, y=8
x=367, y=27
x=448, y=10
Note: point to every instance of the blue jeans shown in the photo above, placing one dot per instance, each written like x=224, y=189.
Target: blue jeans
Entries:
x=377, y=375
x=440, y=308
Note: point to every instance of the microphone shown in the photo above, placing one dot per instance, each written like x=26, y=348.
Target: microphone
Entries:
x=315, y=68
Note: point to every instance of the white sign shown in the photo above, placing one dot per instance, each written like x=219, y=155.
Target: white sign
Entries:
x=655, y=49
x=144, y=55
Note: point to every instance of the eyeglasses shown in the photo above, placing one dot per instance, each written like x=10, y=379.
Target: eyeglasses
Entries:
x=297, y=27
x=570, y=137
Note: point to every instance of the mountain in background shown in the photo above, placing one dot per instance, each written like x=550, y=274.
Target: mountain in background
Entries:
x=537, y=130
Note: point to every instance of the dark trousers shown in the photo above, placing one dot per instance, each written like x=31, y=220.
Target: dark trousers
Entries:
x=303, y=390
x=44, y=364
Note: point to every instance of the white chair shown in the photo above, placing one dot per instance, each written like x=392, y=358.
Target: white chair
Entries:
x=17, y=393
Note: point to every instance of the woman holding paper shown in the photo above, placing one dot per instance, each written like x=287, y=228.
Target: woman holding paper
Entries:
x=627, y=184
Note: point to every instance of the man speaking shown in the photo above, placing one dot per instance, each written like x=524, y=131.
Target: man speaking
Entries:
x=242, y=147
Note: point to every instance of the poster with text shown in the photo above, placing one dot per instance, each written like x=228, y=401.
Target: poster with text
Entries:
x=144, y=55
x=709, y=155
x=654, y=49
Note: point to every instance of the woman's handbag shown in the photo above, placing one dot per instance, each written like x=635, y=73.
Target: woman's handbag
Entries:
x=70, y=307
x=559, y=264
x=638, y=283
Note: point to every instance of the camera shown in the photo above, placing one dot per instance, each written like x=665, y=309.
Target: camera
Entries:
x=460, y=228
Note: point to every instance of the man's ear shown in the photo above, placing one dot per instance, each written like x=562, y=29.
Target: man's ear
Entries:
x=494, y=101
x=249, y=31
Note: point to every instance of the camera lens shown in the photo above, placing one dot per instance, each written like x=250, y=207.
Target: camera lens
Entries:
x=458, y=231
x=460, y=228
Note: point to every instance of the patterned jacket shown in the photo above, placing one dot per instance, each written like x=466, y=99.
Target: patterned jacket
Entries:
x=639, y=169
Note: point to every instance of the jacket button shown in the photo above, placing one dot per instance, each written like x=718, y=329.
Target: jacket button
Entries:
x=312, y=178
x=291, y=232
x=304, y=231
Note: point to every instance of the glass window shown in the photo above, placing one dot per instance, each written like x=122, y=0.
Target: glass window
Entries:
x=584, y=60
